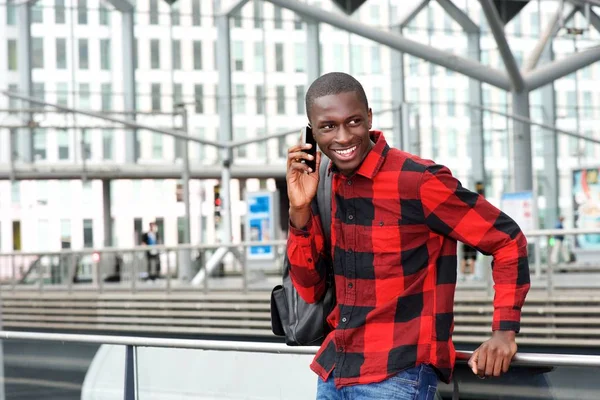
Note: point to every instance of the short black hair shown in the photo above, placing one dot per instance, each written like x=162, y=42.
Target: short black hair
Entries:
x=334, y=83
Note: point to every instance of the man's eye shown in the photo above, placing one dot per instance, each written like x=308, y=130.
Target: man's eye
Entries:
x=327, y=127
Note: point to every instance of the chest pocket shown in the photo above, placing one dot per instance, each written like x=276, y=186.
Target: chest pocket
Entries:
x=383, y=236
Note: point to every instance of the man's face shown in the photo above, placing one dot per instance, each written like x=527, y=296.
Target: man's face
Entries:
x=153, y=228
x=341, y=124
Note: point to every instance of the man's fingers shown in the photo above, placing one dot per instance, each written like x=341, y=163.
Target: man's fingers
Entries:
x=301, y=167
x=297, y=156
x=482, y=359
x=490, y=362
x=473, y=361
x=498, y=365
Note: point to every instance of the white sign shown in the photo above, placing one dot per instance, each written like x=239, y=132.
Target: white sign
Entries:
x=519, y=206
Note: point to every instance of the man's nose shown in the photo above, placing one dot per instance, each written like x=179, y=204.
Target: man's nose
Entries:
x=343, y=136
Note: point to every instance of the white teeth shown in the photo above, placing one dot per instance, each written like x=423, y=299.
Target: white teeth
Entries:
x=347, y=151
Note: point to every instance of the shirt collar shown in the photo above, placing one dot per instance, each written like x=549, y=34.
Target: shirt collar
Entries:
x=374, y=159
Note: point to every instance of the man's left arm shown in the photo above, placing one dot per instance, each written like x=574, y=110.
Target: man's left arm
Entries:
x=463, y=215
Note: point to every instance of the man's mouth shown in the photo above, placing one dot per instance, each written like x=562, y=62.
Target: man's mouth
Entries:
x=346, y=153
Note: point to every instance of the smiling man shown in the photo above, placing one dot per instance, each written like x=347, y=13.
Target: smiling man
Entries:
x=396, y=220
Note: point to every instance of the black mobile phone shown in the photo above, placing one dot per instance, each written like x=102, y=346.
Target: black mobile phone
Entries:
x=309, y=138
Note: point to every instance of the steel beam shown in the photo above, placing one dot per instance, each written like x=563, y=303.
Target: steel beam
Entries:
x=563, y=67
x=497, y=28
x=459, y=16
x=313, y=50
x=521, y=154
x=225, y=118
x=121, y=5
x=550, y=140
x=232, y=9
x=445, y=59
x=551, y=30
x=476, y=116
x=129, y=83
x=25, y=64
x=410, y=15
x=125, y=122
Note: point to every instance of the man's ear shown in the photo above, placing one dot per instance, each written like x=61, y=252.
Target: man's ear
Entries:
x=370, y=116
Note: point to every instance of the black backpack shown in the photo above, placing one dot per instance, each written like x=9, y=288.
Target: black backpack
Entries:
x=301, y=323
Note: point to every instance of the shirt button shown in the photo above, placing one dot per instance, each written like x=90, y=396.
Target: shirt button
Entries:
x=344, y=319
x=350, y=217
x=350, y=183
x=310, y=260
x=340, y=349
x=349, y=251
x=350, y=285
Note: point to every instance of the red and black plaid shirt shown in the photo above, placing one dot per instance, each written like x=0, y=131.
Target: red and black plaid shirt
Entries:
x=395, y=224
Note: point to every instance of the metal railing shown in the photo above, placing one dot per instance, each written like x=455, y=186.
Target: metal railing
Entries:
x=530, y=360
x=127, y=268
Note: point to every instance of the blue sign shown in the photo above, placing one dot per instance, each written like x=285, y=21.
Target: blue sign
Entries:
x=260, y=224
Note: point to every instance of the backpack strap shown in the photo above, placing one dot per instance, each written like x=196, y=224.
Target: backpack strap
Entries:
x=324, y=198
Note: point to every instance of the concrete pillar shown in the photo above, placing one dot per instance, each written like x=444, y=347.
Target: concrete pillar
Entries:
x=129, y=83
x=521, y=144
x=25, y=54
x=107, y=212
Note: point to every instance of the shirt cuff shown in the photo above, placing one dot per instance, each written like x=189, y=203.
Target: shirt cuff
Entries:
x=507, y=319
x=303, y=234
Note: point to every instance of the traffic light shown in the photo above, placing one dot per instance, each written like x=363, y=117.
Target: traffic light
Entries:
x=218, y=201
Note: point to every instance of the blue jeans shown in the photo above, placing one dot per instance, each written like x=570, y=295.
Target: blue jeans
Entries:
x=418, y=383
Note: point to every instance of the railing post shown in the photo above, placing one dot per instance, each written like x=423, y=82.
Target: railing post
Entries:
x=244, y=263
x=549, y=268
x=129, y=389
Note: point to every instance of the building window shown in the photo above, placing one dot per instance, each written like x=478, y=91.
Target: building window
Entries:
x=357, y=59
x=197, y=51
x=62, y=94
x=377, y=98
x=105, y=54
x=84, y=95
x=83, y=54
x=65, y=234
x=260, y=99
x=39, y=92
x=37, y=13
x=82, y=12
x=62, y=138
x=300, y=57
x=238, y=55
x=240, y=134
x=277, y=17
x=153, y=12
x=59, y=12
x=175, y=14
x=104, y=16
x=452, y=143
x=87, y=144
x=176, y=54
x=154, y=54
x=199, y=98
x=88, y=233
x=259, y=57
x=157, y=146
x=106, y=90
x=12, y=55
x=240, y=99
x=156, y=97
x=61, y=53
x=196, y=14
x=13, y=104
x=37, y=48
x=39, y=144
x=279, y=57
x=11, y=13
x=300, y=99
x=258, y=14
x=280, y=100
x=451, y=103
x=180, y=230
x=177, y=94
x=297, y=23
x=237, y=19
x=376, y=59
